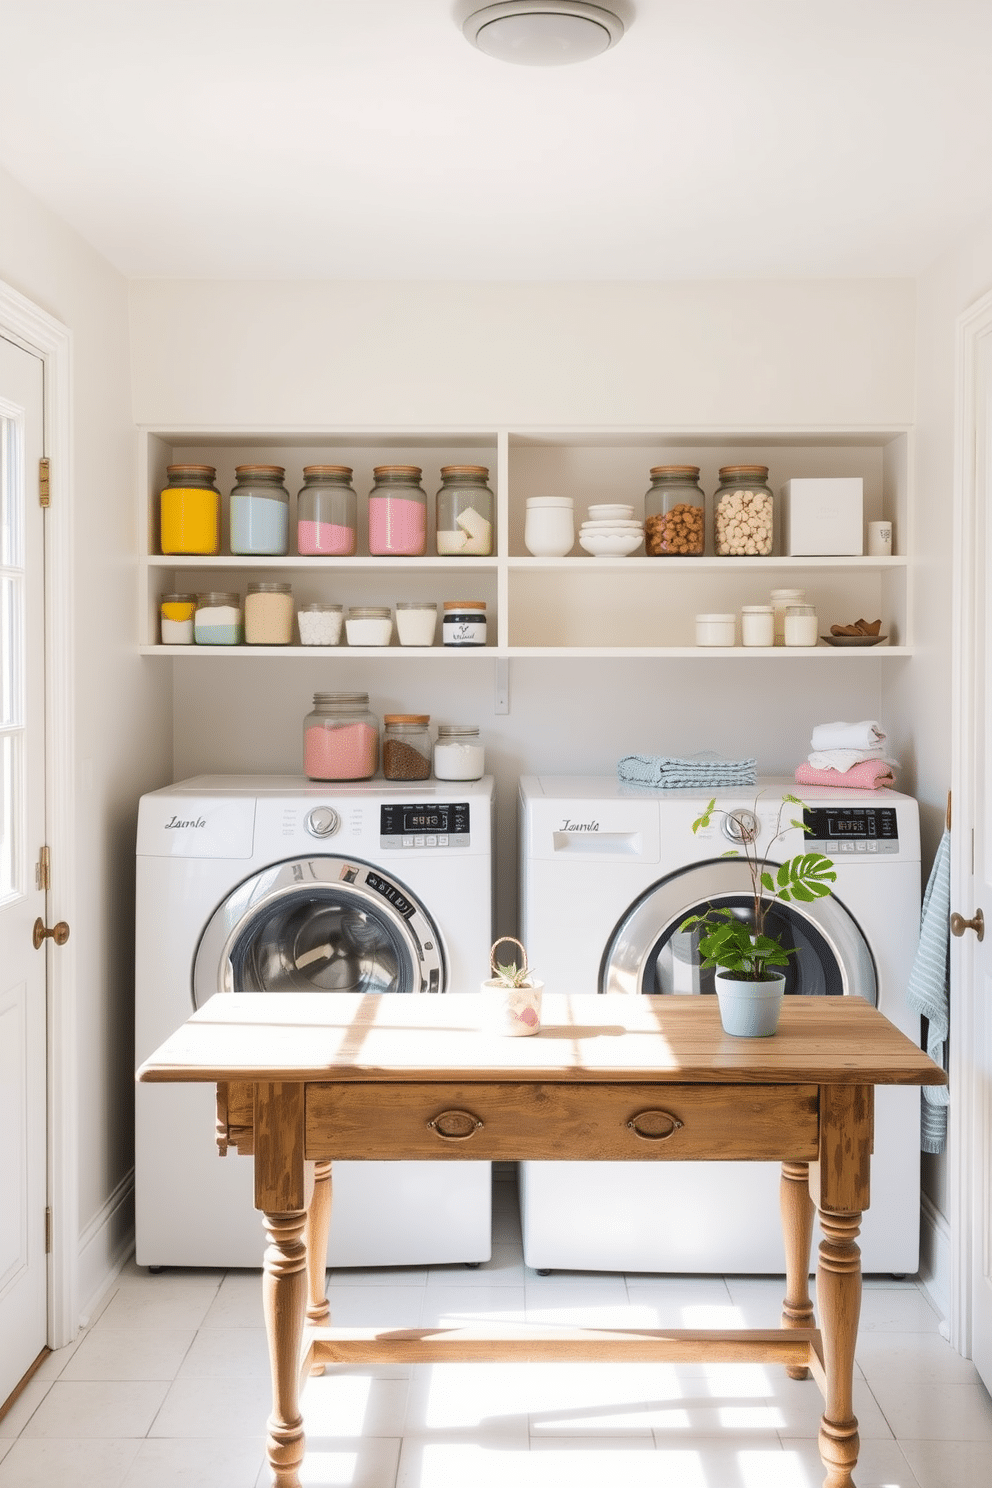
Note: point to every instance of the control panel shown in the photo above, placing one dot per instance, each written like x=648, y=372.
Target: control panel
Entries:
x=433, y=824
x=854, y=830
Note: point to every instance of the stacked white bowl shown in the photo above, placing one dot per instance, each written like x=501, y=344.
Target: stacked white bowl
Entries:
x=549, y=526
x=610, y=531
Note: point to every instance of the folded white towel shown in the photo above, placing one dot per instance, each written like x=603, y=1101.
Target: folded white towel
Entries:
x=844, y=759
x=865, y=735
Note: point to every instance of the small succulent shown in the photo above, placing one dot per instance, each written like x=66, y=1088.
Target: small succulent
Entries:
x=509, y=974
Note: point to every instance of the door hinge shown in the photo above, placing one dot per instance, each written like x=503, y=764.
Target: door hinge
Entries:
x=43, y=870
x=44, y=481
x=48, y=1231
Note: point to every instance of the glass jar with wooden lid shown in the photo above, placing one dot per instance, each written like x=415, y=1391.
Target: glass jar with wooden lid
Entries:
x=464, y=512
x=744, y=513
x=675, y=513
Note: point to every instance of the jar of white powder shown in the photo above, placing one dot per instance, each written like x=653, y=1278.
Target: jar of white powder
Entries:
x=340, y=737
x=369, y=625
x=320, y=624
x=464, y=510
x=176, y=619
x=217, y=620
x=458, y=754
x=268, y=615
x=416, y=622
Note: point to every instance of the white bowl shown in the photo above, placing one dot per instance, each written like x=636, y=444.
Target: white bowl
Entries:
x=610, y=544
x=611, y=513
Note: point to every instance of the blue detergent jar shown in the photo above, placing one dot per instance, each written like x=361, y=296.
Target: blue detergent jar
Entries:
x=259, y=511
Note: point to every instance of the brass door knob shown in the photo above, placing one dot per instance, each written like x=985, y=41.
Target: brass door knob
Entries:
x=959, y=924
x=59, y=933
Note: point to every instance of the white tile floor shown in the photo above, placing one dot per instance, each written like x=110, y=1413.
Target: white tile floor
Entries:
x=168, y=1388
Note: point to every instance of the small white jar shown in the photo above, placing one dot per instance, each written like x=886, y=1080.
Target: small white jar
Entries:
x=780, y=599
x=801, y=626
x=757, y=625
x=458, y=755
x=320, y=624
x=716, y=630
x=416, y=622
x=549, y=526
x=369, y=625
x=464, y=622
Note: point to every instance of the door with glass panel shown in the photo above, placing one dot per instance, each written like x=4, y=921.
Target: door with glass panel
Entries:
x=23, y=1095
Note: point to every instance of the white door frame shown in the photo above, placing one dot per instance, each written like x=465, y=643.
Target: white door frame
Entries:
x=973, y=399
x=36, y=331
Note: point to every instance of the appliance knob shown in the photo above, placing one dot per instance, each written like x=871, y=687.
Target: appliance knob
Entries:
x=741, y=826
x=322, y=821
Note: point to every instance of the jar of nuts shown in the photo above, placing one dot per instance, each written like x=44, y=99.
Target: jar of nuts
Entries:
x=674, y=513
x=743, y=512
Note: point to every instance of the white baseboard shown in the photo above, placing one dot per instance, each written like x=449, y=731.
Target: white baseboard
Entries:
x=935, y=1256
x=104, y=1248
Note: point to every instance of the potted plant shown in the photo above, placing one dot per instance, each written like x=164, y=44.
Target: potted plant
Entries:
x=748, y=986
x=512, y=993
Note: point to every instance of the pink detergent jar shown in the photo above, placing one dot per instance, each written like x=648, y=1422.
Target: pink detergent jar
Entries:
x=326, y=512
x=340, y=737
x=397, y=512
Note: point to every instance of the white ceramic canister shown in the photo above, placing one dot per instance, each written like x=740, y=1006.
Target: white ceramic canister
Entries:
x=464, y=622
x=780, y=598
x=320, y=624
x=458, y=754
x=549, y=526
x=801, y=626
x=716, y=630
x=369, y=625
x=757, y=625
x=416, y=622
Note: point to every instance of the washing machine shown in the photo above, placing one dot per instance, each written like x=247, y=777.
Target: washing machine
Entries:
x=608, y=873
x=284, y=884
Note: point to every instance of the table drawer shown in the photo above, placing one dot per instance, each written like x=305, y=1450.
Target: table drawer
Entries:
x=509, y=1121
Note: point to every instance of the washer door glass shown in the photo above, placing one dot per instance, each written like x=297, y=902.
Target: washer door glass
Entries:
x=323, y=924
x=647, y=952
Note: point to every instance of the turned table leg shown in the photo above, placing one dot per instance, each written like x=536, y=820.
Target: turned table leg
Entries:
x=797, y=1232
x=838, y=1290
x=316, y=1233
x=284, y=1288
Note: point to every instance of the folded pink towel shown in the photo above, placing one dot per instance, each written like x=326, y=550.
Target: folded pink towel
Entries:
x=868, y=775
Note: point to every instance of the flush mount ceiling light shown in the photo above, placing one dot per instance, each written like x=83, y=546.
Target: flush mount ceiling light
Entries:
x=543, y=33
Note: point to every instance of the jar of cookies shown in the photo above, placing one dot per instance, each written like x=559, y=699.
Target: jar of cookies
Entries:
x=674, y=513
x=743, y=513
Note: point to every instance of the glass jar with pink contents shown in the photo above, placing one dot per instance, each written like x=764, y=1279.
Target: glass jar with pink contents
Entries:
x=340, y=737
x=326, y=512
x=397, y=512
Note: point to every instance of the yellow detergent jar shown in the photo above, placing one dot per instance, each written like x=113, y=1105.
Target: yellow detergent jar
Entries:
x=190, y=508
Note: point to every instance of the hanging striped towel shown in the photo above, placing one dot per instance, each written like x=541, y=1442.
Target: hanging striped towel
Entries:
x=928, y=992
x=670, y=773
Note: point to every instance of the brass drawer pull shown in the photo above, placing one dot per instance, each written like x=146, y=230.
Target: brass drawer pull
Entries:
x=654, y=1126
x=455, y=1126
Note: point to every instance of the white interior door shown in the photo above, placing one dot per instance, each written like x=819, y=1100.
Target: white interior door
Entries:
x=23, y=1061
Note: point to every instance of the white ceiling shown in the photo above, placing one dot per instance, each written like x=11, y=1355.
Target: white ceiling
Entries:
x=369, y=140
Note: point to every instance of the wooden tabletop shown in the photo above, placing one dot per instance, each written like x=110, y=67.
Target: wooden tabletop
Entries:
x=340, y=1036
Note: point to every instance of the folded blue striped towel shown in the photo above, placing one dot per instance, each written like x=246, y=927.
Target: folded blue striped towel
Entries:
x=928, y=992
x=671, y=773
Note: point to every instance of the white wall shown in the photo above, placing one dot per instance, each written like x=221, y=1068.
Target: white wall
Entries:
x=122, y=725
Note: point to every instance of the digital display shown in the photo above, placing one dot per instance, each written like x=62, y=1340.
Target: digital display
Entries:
x=857, y=827
x=399, y=820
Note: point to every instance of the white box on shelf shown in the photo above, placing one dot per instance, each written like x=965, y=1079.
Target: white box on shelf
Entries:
x=823, y=516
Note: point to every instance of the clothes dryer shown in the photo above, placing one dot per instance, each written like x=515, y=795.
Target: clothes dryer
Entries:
x=608, y=873
x=284, y=884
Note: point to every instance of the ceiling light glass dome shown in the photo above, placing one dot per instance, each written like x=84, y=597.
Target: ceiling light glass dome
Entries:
x=543, y=33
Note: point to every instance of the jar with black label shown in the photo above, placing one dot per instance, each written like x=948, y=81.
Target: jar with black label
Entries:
x=464, y=622
x=189, y=510
x=406, y=746
x=327, y=512
x=340, y=737
x=675, y=513
x=743, y=513
x=464, y=509
x=259, y=514
x=397, y=512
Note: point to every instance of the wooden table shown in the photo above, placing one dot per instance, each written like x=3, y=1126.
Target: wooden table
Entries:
x=305, y=1079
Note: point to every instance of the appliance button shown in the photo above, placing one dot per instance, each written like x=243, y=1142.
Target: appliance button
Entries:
x=444, y=841
x=430, y=842
x=322, y=821
x=418, y=841
x=407, y=841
